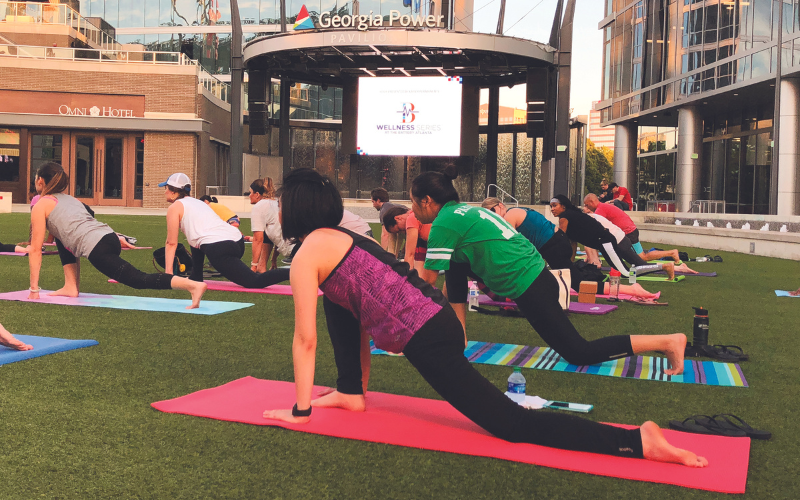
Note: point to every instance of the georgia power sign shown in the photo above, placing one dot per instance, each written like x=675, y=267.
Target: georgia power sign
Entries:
x=363, y=22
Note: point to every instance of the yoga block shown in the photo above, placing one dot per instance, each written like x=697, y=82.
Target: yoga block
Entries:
x=588, y=292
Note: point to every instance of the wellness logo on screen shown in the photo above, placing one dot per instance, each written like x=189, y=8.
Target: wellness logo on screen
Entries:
x=408, y=113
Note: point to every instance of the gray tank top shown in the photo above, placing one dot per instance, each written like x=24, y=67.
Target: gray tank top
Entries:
x=78, y=231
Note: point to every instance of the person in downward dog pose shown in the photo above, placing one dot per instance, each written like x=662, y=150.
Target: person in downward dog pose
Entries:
x=368, y=292
x=78, y=234
x=209, y=236
x=553, y=245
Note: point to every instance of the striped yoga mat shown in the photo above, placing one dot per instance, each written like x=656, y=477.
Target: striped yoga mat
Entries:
x=637, y=367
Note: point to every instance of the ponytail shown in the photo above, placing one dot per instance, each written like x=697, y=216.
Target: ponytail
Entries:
x=437, y=185
x=269, y=188
x=54, y=177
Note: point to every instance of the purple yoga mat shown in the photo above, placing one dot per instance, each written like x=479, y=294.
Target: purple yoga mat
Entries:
x=677, y=273
x=574, y=307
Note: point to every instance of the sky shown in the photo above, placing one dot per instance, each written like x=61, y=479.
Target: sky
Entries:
x=587, y=43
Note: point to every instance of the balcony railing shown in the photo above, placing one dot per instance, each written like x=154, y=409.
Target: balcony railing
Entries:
x=215, y=86
x=47, y=13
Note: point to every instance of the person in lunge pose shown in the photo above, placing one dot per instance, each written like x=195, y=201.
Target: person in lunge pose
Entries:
x=553, y=245
x=266, y=227
x=78, y=234
x=472, y=240
x=620, y=219
x=209, y=236
x=367, y=292
x=400, y=218
x=583, y=229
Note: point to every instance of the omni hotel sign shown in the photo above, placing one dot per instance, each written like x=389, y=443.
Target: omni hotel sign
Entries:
x=72, y=104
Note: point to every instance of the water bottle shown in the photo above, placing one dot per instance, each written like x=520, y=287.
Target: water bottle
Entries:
x=516, y=386
x=701, y=259
x=632, y=276
x=474, y=293
x=613, y=284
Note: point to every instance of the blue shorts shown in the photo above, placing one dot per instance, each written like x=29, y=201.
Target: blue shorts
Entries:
x=233, y=219
x=637, y=247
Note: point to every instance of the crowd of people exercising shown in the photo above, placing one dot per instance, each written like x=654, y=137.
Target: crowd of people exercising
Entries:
x=369, y=293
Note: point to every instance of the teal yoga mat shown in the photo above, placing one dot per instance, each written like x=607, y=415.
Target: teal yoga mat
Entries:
x=131, y=303
x=635, y=367
x=42, y=346
x=784, y=293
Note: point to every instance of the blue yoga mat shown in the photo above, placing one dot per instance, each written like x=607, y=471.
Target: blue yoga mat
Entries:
x=130, y=302
x=42, y=346
x=784, y=293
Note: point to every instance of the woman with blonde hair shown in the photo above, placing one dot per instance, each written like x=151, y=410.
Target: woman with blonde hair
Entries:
x=78, y=234
x=266, y=227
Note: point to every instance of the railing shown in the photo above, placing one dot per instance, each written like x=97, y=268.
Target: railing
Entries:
x=498, y=190
x=118, y=56
x=708, y=206
x=217, y=87
x=47, y=13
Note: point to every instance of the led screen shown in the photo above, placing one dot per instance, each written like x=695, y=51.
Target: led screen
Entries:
x=409, y=116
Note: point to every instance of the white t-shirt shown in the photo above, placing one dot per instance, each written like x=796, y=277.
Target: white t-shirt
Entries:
x=613, y=229
x=201, y=225
x=264, y=217
x=355, y=223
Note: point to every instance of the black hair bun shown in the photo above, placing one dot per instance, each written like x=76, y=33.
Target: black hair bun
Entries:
x=450, y=172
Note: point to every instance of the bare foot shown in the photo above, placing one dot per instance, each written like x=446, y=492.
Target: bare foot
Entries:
x=197, y=289
x=656, y=448
x=65, y=292
x=676, y=347
x=795, y=293
x=335, y=399
x=639, y=291
x=669, y=268
x=683, y=268
x=8, y=340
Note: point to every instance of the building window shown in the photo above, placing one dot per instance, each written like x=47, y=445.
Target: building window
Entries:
x=138, y=171
x=44, y=148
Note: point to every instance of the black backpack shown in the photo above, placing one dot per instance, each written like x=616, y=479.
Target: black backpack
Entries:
x=182, y=265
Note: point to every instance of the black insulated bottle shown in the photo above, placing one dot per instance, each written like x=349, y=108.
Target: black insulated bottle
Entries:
x=700, y=327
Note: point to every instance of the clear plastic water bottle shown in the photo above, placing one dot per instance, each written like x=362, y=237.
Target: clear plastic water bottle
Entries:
x=632, y=276
x=516, y=386
x=701, y=259
x=613, y=284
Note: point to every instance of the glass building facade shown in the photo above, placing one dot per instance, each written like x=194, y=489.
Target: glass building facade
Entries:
x=166, y=25
x=660, y=56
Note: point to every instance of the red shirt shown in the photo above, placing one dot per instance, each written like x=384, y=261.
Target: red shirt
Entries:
x=626, y=197
x=424, y=229
x=616, y=217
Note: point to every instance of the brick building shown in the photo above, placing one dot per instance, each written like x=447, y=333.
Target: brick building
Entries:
x=118, y=120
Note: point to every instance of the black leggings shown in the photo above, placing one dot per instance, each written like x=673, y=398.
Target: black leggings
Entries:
x=617, y=254
x=105, y=258
x=8, y=248
x=539, y=304
x=437, y=351
x=226, y=258
x=557, y=252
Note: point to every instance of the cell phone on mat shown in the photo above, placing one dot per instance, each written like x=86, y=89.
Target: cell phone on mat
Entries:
x=563, y=405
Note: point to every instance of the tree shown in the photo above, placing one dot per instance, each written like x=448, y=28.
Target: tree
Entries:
x=599, y=166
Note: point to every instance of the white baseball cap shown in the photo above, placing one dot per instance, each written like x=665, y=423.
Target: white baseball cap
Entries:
x=180, y=181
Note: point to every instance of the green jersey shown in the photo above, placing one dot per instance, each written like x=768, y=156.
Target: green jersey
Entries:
x=503, y=258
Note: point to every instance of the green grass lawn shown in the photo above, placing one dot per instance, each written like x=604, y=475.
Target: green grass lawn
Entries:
x=79, y=424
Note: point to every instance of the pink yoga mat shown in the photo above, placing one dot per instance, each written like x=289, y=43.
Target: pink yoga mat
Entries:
x=20, y=254
x=574, y=307
x=435, y=425
x=228, y=286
